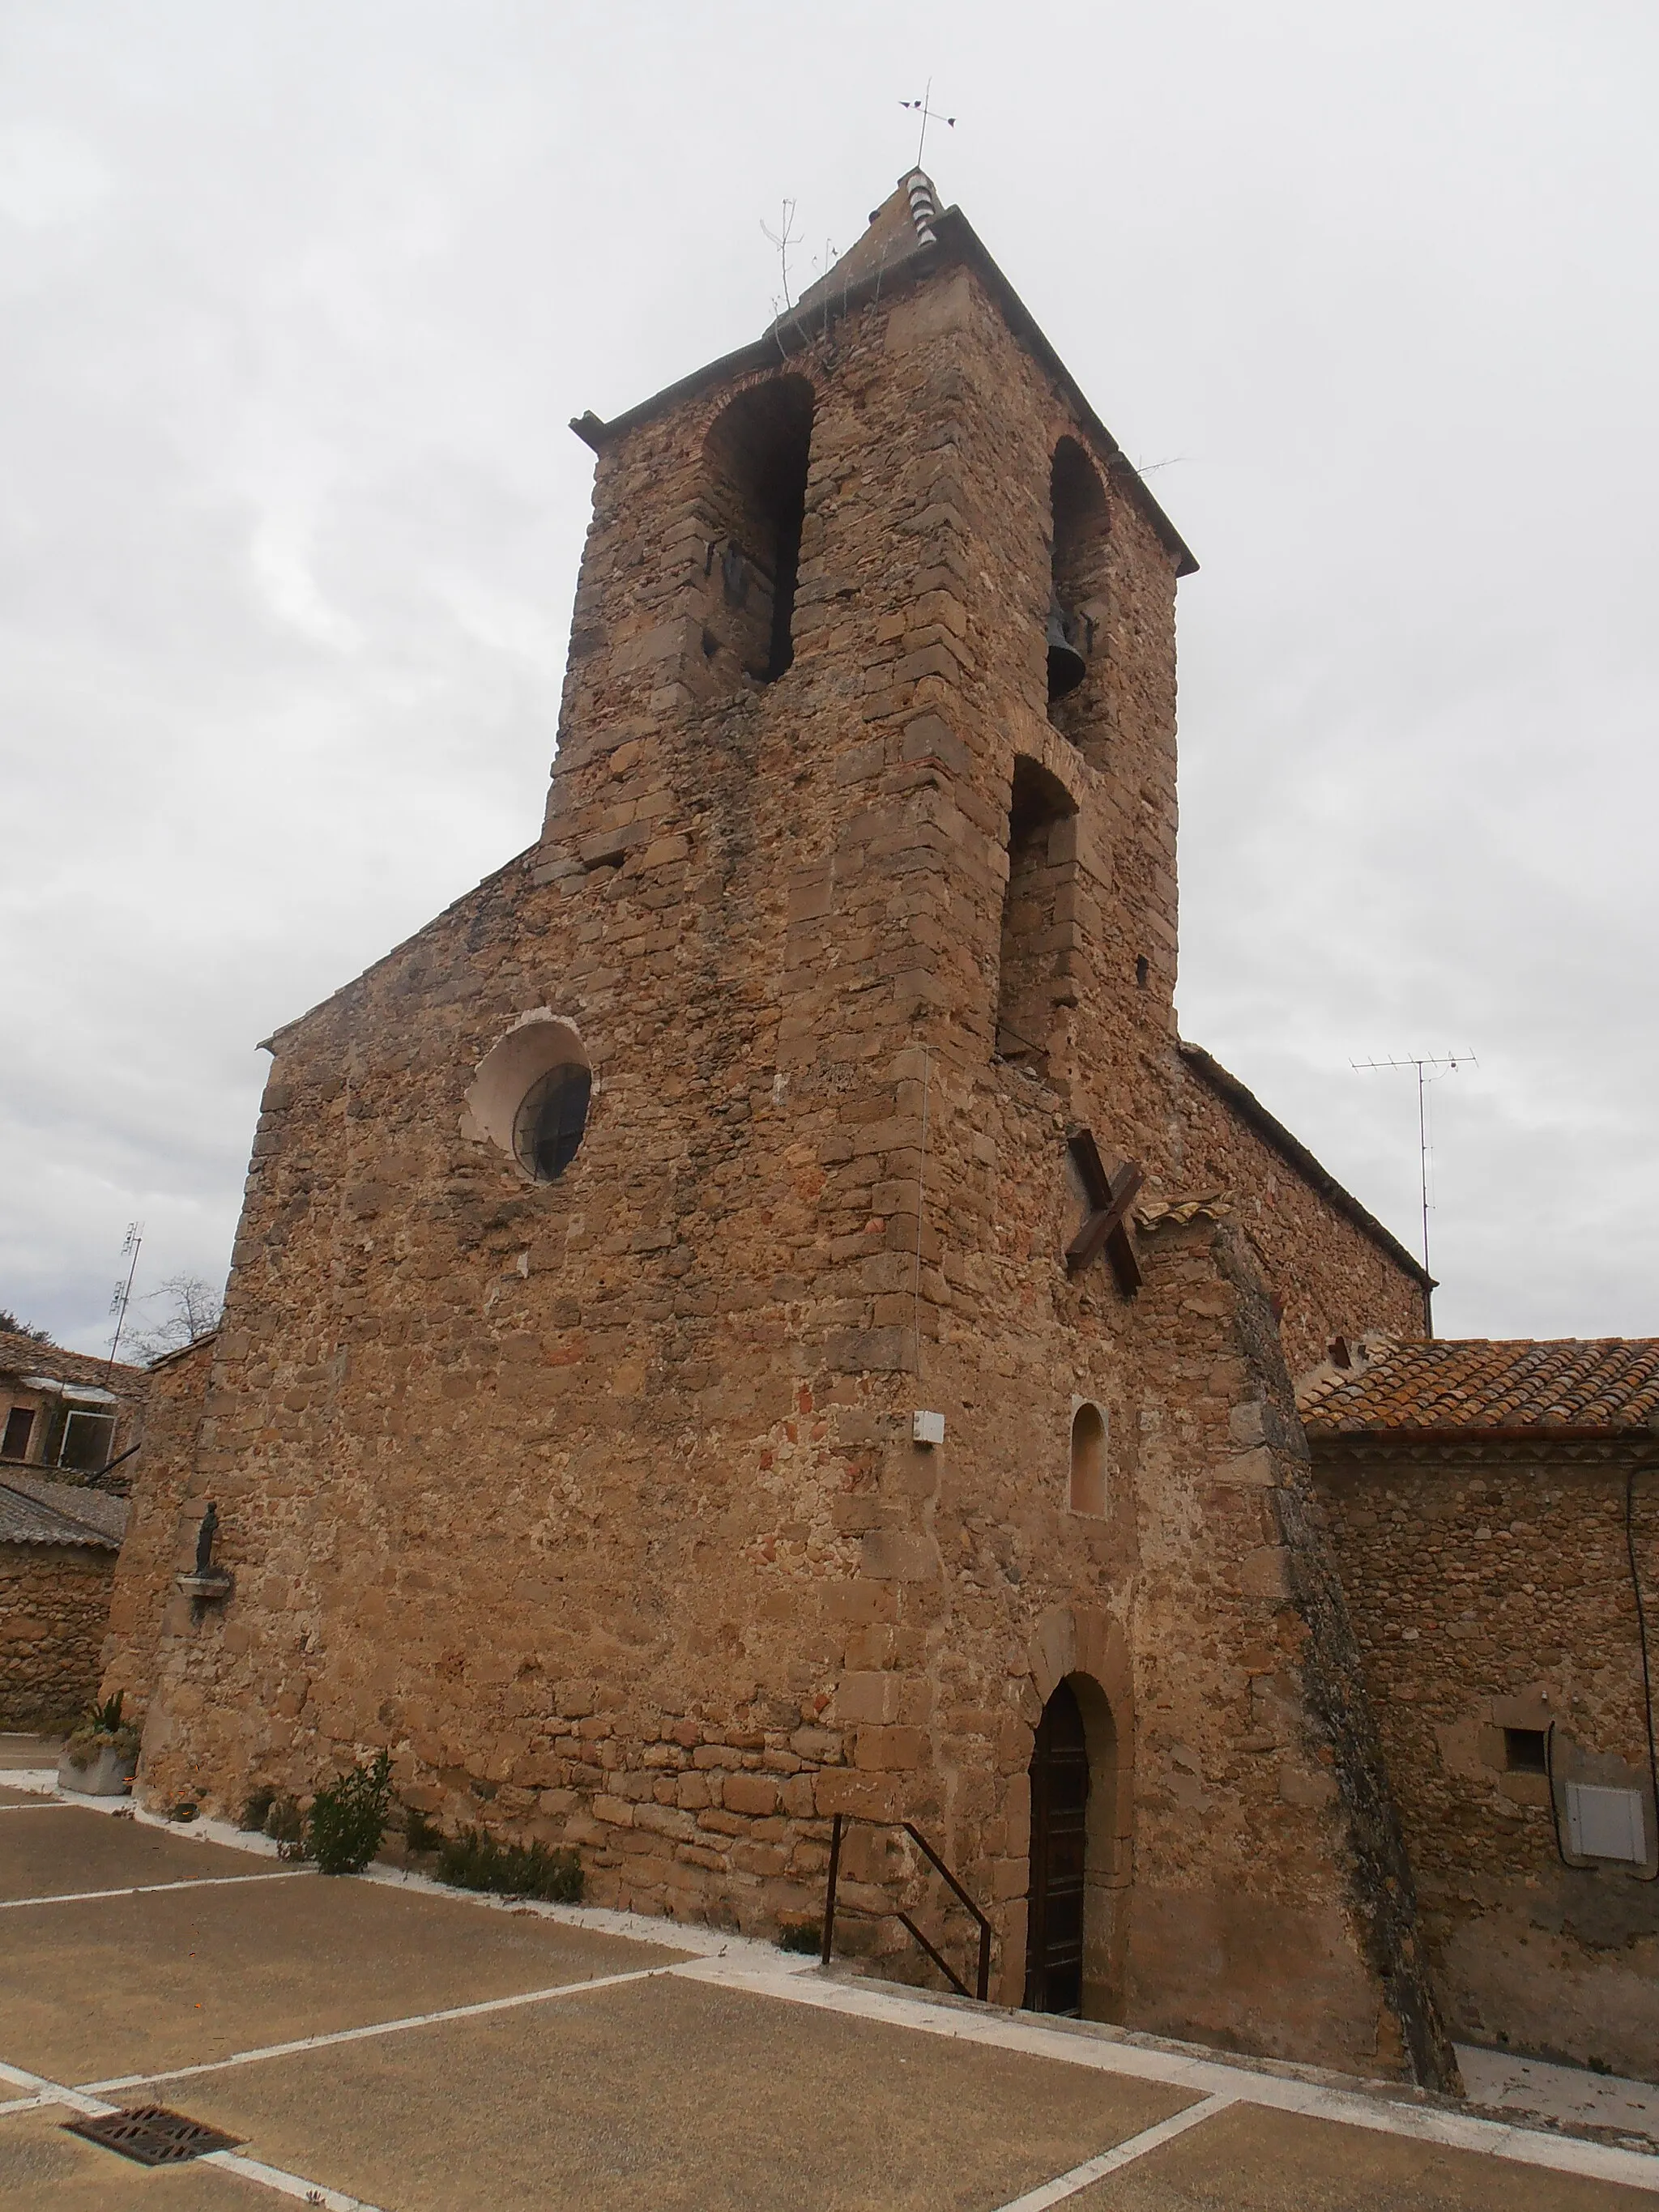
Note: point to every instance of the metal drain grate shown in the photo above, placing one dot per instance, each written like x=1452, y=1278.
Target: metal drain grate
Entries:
x=152, y=2135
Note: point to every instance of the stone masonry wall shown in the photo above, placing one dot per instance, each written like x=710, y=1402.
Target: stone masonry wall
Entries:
x=160, y=1538
x=1491, y=1589
x=54, y=1603
x=1329, y=1277
x=595, y=1502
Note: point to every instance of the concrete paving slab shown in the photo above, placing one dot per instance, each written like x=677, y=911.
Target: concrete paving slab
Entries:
x=19, y=1797
x=90, y=1992
x=72, y=1849
x=1501, y=2082
x=30, y=1752
x=679, y=2096
x=1248, y=2160
x=43, y=2170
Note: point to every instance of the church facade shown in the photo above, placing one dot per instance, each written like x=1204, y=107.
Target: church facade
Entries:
x=754, y=1314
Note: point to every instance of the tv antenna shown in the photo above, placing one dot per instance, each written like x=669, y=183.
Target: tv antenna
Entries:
x=928, y=115
x=1430, y=1068
x=122, y=1296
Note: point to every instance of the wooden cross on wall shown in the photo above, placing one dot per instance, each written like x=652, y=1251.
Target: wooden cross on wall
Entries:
x=1106, y=1224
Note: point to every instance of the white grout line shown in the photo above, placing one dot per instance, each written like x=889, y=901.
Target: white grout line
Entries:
x=286, y=2184
x=251, y=2169
x=366, y=2033
x=742, y=1963
x=153, y=1888
x=607, y=1920
x=1124, y=2153
x=1208, y=2077
x=51, y=1805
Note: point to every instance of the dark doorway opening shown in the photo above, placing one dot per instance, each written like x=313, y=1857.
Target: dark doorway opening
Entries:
x=1060, y=1800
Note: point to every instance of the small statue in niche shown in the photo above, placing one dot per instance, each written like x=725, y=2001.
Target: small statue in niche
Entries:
x=204, y=1536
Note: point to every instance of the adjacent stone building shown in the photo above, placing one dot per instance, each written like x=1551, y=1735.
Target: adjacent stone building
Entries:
x=70, y=1426
x=1495, y=1508
x=755, y=1315
x=66, y=1415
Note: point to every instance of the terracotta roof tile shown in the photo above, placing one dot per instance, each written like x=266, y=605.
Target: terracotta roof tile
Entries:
x=25, y=1355
x=1483, y=1382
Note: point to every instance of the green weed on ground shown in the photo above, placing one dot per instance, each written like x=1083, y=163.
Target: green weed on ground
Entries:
x=348, y=1818
x=475, y=1859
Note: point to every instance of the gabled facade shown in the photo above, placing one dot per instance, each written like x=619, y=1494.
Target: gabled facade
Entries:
x=604, y=1245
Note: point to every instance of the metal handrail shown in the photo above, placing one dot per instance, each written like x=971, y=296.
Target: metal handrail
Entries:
x=926, y=1848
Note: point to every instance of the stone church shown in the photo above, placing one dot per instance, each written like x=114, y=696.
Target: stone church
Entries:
x=755, y=1315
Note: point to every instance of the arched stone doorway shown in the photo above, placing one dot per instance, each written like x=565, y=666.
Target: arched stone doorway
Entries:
x=1083, y=1654
x=1054, y=1901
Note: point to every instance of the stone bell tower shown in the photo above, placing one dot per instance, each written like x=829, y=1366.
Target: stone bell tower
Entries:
x=898, y=507
x=815, y=1072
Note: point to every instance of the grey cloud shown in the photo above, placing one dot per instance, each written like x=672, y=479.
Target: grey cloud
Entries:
x=298, y=306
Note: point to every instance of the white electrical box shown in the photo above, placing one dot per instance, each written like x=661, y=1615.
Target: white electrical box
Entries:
x=1606, y=1824
x=927, y=1428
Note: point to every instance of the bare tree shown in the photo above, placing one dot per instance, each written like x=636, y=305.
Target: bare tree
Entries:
x=190, y=1308
x=11, y=1326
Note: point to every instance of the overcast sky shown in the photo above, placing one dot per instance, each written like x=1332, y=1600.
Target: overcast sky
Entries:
x=299, y=299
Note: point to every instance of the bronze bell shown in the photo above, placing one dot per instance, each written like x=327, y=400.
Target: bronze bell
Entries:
x=1066, y=666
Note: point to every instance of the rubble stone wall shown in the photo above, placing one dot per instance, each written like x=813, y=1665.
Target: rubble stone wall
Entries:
x=1328, y=1276
x=54, y=1604
x=159, y=1540
x=1491, y=1590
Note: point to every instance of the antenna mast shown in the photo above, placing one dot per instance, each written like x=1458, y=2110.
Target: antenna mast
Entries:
x=119, y=1302
x=1445, y=1064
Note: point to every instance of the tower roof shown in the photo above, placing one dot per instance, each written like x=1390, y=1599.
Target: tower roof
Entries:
x=908, y=241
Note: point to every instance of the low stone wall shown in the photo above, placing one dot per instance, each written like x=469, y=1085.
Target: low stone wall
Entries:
x=54, y=1607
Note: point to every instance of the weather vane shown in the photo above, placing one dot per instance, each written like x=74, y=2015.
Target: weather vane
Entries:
x=928, y=115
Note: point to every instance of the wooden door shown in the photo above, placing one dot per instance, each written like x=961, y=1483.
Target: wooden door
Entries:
x=1059, y=1798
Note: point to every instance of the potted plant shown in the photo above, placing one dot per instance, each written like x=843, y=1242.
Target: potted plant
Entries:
x=100, y=1756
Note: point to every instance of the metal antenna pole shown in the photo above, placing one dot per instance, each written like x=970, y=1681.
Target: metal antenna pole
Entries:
x=1448, y=1063
x=1423, y=1156
x=118, y=1304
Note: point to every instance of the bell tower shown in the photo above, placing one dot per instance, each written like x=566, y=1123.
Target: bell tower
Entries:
x=878, y=602
x=708, y=1247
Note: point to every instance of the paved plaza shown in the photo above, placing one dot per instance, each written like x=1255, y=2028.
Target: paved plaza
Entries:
x=377, y=2042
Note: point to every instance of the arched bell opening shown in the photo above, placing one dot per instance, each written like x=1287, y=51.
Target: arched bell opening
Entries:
x=1076, y=1931
x=1076, y=601
x=1041, y=870
x=756, y=460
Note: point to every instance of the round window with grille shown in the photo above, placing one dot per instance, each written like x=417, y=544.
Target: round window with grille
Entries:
x=548, y=1128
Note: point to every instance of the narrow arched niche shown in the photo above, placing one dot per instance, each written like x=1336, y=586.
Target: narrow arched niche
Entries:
x=753, y=502
x=530, y=1095
x=1077, y=602
x=1086, y=1493
x=1042, y=865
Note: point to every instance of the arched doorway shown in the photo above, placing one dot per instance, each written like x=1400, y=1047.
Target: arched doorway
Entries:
x=1054, y=1909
